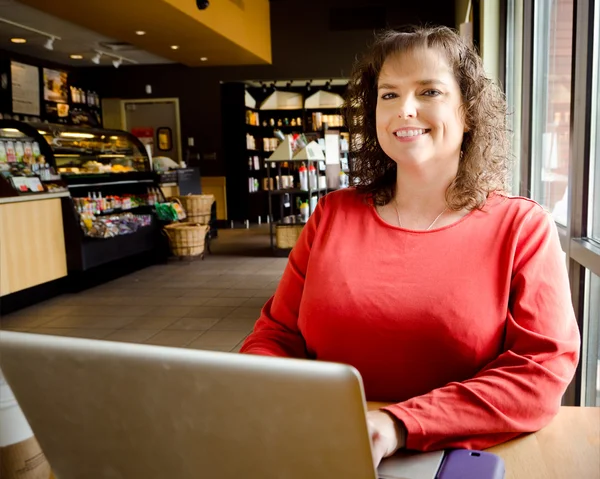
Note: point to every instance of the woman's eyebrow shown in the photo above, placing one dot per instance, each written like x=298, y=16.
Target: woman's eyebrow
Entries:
x=429, y=81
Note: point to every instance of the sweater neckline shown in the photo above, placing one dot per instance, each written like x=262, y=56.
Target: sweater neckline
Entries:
x=380, y=220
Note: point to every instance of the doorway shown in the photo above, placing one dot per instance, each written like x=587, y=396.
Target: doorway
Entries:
x=157, y=119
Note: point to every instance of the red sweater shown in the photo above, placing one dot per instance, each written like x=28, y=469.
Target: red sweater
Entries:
x=468, y=328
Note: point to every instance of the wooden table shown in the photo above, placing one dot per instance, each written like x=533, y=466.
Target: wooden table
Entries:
x=569, y=447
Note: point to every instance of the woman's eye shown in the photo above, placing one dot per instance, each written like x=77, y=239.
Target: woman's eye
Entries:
x=432, y=93
x=388, y=96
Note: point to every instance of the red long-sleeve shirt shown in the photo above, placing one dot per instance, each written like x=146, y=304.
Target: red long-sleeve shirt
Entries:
x=468, y=328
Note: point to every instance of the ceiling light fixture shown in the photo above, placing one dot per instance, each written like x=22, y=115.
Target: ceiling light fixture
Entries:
x=140, y=32
x=49, y=45
x=117, y=62
x=70, y=134
x=174, y=47
x=18, y=40
x=203, y=59
x=76, y=57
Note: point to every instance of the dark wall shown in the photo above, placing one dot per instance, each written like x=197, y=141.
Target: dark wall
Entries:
x=310, y=39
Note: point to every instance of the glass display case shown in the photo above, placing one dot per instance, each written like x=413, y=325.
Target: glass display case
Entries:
x=87, y=151
x=109, y=213
x=23, y=167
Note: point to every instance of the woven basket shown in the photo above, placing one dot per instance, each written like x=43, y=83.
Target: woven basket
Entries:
x=186, y=239
x=197, y=207
x=287, y=235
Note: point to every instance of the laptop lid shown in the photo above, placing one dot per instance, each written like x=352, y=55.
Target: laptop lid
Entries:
x=103, y=409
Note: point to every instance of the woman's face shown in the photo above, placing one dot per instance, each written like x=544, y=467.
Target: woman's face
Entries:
x=419, y=119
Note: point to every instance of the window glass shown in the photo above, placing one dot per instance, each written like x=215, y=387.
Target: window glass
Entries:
x=551, y=95
x=594, y=209
x=593, y=341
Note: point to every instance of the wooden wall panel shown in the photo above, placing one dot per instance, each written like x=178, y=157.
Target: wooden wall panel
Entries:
x=32, y=244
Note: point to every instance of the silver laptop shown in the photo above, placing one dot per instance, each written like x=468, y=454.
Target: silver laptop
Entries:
x=103, y=409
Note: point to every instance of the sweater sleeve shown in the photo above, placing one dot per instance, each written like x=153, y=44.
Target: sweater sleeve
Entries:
x=521, y=390
x=276, y=332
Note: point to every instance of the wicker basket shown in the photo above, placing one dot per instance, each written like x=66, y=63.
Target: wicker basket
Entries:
x=186, y=239
x=197, y=207
x=287, y=235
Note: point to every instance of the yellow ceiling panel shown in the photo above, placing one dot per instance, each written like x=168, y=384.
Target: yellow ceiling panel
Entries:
x=228, y=32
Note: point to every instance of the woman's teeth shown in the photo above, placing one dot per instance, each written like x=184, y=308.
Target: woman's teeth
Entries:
x=405, y=133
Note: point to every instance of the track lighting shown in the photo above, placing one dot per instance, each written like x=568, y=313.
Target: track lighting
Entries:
x=49, y=45
x=96, y=58
x=117, y=63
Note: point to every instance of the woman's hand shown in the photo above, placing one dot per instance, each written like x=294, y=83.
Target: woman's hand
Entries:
x=387, y=435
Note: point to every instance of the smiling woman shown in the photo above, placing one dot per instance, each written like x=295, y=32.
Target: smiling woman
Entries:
x=427, y=78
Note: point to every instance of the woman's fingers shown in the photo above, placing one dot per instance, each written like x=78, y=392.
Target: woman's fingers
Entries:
x=377, y=445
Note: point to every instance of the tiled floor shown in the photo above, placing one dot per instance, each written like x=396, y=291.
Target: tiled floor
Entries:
x=211, y=304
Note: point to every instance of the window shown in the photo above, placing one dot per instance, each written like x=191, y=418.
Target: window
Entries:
x=594, y=218
x=514, y=75
x=593, y=341
x=551, y=98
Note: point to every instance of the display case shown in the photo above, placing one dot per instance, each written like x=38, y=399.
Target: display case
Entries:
x=109, y=213
x=24, y=170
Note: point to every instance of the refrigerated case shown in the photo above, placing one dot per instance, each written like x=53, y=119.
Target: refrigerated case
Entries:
x=109, y=214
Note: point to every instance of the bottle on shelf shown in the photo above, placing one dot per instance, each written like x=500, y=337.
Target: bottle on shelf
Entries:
x=303, y=173
x=312, y=177
x=343, y=179
x=313, y=203
x=304, y=211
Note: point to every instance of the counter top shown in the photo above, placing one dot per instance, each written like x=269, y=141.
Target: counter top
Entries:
x=34, y=197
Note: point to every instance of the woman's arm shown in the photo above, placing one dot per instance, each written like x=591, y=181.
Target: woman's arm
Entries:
x=521, y=390
x=276, y=332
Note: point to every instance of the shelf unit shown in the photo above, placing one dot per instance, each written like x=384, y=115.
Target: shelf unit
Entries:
x=287, y=196
x=243, y=203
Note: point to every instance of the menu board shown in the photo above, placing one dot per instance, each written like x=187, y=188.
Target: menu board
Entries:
x=25, y=81
x=55, y=86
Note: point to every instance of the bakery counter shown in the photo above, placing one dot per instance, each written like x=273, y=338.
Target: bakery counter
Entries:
x=32, y=241
x=34, y=197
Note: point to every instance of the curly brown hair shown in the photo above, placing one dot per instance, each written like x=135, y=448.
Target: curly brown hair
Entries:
x=484, y=164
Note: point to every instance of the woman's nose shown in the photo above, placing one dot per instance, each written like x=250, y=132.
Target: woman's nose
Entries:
x=407, y=109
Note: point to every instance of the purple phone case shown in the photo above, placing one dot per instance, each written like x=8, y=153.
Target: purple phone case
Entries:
x=466, y=464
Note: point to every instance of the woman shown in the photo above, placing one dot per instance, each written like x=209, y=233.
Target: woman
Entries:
x=449, y=296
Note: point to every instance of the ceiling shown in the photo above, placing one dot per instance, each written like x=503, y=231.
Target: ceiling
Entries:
x=228, y=32
x=74, y=39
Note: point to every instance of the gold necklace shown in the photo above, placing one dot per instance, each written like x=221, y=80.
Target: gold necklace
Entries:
x=429, y=227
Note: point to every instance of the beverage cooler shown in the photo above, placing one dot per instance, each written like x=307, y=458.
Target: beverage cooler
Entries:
x=108, y=213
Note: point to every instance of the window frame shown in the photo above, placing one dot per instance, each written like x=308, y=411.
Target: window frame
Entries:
x=582, y=252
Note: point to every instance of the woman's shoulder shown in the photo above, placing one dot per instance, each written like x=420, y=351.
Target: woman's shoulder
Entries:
x=519, y=210
x=513, y=204
x=346, y=198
